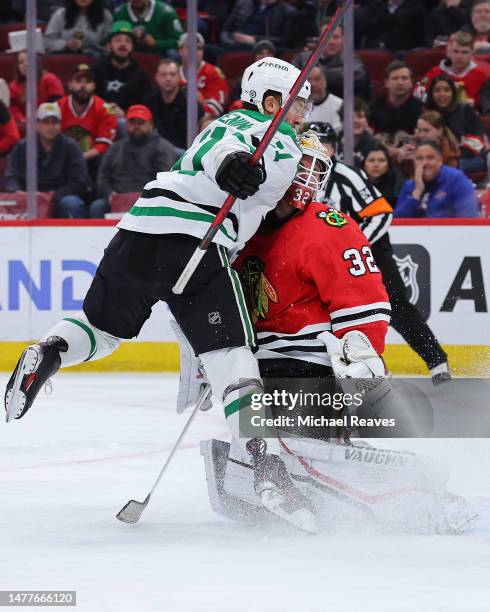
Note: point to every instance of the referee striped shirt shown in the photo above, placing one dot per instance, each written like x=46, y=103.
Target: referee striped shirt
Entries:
x=349, y=191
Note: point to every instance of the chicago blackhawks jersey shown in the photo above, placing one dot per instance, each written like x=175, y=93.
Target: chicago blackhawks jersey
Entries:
x=314, y=273
x=95, y=127
x=212, y=88
x=185, y=200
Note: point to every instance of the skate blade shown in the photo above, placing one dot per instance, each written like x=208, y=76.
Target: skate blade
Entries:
x=15, y=398
x=132, y=511
x=302, y=518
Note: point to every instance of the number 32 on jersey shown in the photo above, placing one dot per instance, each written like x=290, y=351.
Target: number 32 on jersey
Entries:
x=362, y=262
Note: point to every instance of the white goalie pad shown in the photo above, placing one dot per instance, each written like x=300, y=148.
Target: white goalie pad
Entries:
x=347, y=484
x=193, y=377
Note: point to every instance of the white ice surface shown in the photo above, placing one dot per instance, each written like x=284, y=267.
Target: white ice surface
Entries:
x=72, y=462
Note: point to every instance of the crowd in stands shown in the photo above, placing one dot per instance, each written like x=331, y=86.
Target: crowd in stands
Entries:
x=116, y=114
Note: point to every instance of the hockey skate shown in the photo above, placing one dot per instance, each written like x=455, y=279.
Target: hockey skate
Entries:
x=36, y=365
x=276, y=490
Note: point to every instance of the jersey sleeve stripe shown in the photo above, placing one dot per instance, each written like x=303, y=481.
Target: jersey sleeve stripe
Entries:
x=374, y=231
x=366, y=318
x=354, y=310
x=379, y=206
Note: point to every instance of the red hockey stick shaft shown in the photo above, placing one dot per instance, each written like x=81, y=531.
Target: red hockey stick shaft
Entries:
x=262, y=146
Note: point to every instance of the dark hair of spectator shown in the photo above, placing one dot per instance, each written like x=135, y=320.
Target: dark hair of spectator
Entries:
x=429, y=143
x=397, y=65
x=18, y=77
x=361, y=107
x=384, y=150
x=269, y=92
x=464, y=39
x=326, y=22
x=165, y=61
x=431, y=105
x=95, y=13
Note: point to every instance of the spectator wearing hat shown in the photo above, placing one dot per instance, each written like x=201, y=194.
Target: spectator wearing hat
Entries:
x=212, y=87
x=81, y=27
x=61, y=168
x=118, y=78
x=49, y=88
x=157, y=28
x=133, y=161
x=168, y=104
x=9, y=132
x=85, y=117
x=436, y=190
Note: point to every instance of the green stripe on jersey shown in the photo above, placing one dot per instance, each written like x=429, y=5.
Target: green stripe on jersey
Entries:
x=238, y=404
x=90, y=334
x=167, y=211
x=216, y=135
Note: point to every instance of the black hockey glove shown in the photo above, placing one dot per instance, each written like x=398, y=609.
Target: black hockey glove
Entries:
x=238, y=177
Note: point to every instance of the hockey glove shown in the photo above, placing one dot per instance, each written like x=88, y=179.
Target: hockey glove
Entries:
x=238, y=177
x=353, y=356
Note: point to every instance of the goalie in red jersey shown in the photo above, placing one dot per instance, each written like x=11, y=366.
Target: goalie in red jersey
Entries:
x=315, y=293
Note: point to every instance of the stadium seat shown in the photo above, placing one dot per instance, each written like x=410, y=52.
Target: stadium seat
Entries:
x=120, y=203
x=14, y=205
x=423, y=60
x=375, y=63
x=148, y=62
x=62, y=64
x=7, y=66
x=233, y=63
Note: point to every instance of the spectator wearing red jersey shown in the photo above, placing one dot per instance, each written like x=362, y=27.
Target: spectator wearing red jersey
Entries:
x=49, y=88
x=9, y=133
x=461, y=67
x=87, y=118
x=211, y=82
x=480, y=26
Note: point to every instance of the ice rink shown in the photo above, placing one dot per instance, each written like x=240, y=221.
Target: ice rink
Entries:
x=100, y=440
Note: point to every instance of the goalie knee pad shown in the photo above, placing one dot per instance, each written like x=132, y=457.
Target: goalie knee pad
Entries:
x=85, y=342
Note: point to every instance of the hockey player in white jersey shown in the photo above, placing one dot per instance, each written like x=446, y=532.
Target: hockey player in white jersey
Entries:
x=155, y=240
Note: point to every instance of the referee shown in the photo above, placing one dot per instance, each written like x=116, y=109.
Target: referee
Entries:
x=349, y=191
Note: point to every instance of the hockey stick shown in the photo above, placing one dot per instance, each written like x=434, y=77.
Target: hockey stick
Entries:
x=132, y=511
x=198, y=254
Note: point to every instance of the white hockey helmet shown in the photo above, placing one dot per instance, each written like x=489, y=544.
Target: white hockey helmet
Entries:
x=270, y=74
x=313, y=173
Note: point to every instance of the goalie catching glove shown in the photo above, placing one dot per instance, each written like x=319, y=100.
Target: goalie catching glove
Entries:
x=353, y=356
x=237, y=176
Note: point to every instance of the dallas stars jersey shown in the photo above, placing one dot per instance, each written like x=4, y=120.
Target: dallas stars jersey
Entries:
x=315, y=273
x=186, y=199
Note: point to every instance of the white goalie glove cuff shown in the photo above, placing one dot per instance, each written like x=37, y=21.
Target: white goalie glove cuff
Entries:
x=353, y=356
x=192, y=374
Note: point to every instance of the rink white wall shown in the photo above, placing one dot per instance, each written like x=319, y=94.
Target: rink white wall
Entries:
x=46, y=268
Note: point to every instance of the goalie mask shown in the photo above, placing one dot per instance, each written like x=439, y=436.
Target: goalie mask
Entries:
x=313, y=172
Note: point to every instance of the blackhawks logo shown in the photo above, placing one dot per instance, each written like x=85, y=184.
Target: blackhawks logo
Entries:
x=332, y=217
x=259, y=291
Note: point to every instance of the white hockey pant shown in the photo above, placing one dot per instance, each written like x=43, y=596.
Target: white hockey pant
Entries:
x=85, y=341
x=235, y=378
